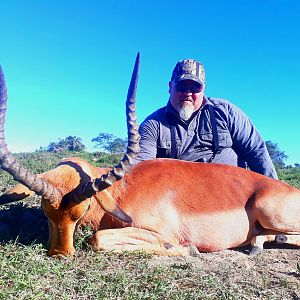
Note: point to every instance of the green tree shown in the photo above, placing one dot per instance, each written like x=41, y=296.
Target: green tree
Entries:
x=276, y=154
x=70, y=143
x=110, y=143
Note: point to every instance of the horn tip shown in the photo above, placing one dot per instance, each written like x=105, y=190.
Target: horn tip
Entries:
x=138, y=56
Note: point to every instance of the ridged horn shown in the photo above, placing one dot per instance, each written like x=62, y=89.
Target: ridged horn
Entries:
x=12, y=166
x=133, y=148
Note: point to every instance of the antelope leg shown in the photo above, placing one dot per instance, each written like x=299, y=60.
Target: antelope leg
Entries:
x=136, y=239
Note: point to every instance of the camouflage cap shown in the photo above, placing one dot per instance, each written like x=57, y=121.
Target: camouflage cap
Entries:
x=189, y=69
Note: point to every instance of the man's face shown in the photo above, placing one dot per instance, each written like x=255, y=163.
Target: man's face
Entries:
x=186, y=97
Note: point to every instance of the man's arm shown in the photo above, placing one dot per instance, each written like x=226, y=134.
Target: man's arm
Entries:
x=248, y=144
x=149, y=131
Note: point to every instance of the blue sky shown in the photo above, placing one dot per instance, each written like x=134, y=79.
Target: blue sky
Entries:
x=68, y=63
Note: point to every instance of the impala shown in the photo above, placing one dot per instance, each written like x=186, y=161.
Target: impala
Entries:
x=162, y=206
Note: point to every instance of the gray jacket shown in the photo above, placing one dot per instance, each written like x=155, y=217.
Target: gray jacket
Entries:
x=239, y=142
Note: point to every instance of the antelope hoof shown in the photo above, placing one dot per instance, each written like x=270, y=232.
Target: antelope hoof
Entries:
x=280, y=239
x=255, y=250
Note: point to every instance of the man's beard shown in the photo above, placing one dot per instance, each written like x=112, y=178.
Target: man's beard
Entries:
x=185, y=112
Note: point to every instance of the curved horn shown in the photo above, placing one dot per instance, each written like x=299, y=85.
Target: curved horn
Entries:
x=127, y=161
x=9, y=163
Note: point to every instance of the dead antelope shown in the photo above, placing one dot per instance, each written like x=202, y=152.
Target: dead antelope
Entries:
x=163, y=206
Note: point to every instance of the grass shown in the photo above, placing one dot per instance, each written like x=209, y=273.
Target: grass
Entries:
x=27, y=273
x=92, y=276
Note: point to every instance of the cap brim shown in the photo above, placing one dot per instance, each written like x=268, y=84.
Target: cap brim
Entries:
x=188, y=77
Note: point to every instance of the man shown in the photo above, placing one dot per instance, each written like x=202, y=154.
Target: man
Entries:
x=194, y=127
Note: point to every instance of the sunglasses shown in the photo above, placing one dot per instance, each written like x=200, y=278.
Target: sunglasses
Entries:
x=182, y=88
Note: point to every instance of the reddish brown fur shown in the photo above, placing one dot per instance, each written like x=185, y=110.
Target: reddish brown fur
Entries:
x=210, y=206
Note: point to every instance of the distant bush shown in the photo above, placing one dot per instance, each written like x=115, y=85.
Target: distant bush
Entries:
x=70, y=143
x=278, y=156
x=110, y=143
x=290, y=175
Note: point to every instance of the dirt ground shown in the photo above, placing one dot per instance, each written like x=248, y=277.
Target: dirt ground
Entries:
x=273, y=274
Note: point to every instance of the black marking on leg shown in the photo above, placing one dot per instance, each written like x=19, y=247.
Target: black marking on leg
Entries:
x=255, y=250
x=168, y=246
x=258, y=227
x=280, y=238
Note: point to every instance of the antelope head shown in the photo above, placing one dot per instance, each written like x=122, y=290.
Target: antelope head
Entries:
x=66, y=191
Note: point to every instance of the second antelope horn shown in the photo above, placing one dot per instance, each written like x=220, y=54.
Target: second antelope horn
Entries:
x=127, y=161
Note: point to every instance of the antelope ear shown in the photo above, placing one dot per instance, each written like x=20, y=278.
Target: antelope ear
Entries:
x=17, y=193
x=108, y=203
